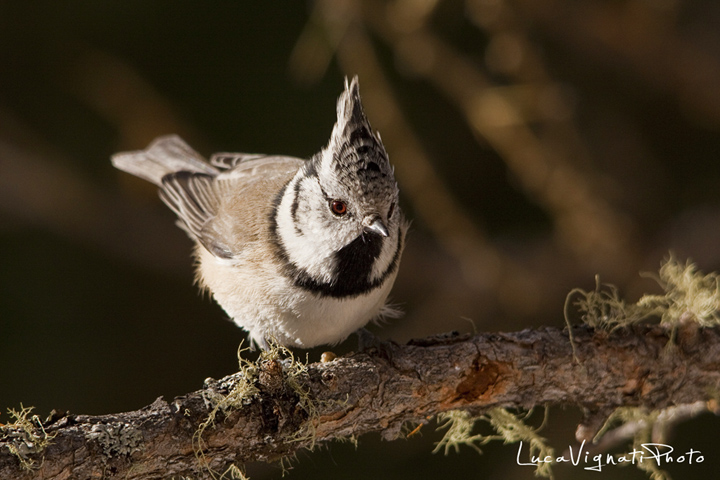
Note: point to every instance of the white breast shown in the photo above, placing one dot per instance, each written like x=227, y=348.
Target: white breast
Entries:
x=268, y=306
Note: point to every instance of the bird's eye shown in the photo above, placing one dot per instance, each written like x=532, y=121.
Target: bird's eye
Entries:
x=392, y=209
x=338, y=207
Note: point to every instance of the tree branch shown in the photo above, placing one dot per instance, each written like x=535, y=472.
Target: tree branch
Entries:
x=283, y=408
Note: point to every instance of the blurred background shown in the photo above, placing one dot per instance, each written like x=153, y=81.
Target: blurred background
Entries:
x=536, y=144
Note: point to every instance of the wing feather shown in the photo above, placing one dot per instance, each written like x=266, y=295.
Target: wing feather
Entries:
x=228, y=161
x=194, y=200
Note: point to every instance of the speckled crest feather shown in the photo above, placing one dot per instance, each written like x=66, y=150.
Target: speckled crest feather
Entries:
x=355, y=153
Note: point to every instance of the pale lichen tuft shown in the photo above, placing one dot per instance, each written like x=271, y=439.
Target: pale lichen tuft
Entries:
x=25, y=436
x=509, y=427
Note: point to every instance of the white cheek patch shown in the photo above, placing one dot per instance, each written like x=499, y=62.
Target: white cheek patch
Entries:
x=304, y=247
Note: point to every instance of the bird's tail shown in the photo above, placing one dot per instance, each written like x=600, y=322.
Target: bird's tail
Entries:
x=168, y=154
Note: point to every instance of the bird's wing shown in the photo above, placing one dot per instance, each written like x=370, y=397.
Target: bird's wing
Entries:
x=227, y=211
x=238, y=186
x=228, y=161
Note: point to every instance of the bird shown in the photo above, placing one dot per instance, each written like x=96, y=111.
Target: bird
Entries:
x=298, y=252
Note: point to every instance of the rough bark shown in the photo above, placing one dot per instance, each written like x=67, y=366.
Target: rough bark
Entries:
x=377, y=390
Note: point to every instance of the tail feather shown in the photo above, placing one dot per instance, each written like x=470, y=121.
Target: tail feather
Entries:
x=168, y=154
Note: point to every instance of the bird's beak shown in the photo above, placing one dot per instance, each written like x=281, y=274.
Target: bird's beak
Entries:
x=375, y=225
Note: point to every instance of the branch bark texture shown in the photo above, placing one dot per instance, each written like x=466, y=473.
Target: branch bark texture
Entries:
x=379, y=389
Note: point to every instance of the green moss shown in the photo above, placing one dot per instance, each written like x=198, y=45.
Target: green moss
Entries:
x=689, y=296
x=460, y=425
x=508, y=427
x=234, y=472
x=25, y=436
x=643, y=423
x=244, y=387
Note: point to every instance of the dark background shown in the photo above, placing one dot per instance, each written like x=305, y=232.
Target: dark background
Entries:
x=536, y=145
